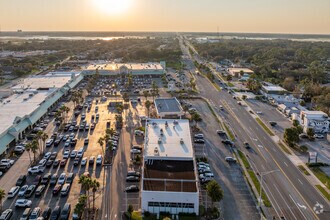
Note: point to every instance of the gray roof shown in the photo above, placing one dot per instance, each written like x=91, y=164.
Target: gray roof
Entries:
x=164, y=105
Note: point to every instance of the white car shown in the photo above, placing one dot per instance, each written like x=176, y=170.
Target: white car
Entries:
x=7, y=162
x=22, y=191
x=36, y=169
x=61, y=179
x=73, y=153
x=138, y=133
x=19, y=149
x=80, y=152
x=259, y=112
x=13, y=191
x=47, y=155
x=99, y=160
x=135, y=151
x=24, y=203
x=83, y=161
x=66, y=137
x=66, y=154
x=319, y=136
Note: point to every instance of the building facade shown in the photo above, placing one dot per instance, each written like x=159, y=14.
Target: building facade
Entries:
x=317, y=120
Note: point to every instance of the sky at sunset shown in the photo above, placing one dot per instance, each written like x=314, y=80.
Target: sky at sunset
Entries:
x=263, y=16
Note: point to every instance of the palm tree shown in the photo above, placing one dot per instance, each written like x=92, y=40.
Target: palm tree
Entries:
x=148, y=105
x=44, y=137
x=101, y=143
x=145, y=94
x=110, y=131
x=95, y=187
x=34, y=148
x=2, y=196
x=28, y=149
x=38, y=138
x=86, y=186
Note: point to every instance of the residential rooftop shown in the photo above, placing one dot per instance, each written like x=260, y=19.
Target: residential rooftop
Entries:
x=273, y=88
x=168, y=139
x=169, y=175
x=168, y=105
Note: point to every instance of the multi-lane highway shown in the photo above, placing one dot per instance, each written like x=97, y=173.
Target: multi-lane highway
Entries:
x=290, y=193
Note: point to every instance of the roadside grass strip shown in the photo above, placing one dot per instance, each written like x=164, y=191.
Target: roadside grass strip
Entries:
x=324, y=192
x=265, y=127
x=230, y=84
x=230, y=134
x=302, y=169
x=285, y=149
x=254, y=179
x=322, y=176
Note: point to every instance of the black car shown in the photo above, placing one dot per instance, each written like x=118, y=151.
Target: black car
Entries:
x=55, y=213
x=229, y=142
x=132, y=179
x=56, y=163
x=45, y=179
x=46, y=213
x=49, y=163
x=247, y=145
x=76, y=161
x=132, y=188
x=199, y=141
x=73, y=142
x=21, y=180
x=56, y=142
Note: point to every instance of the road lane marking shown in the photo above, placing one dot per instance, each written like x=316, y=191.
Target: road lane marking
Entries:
x=299, y=206
x=300, y=182
x=284, y=201
x=286, y=164
x=274, y=200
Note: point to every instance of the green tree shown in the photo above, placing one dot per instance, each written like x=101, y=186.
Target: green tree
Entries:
x=130, y=210
x=291, y=136
x=154, y=89
x=125, y=97
x=44, y=137
x=86, y=184
x=95, y=185
x=195, y=117
x=80, y=206
x=214, y=191
x=146, y=94
x=101, y=143
x=2, y=196
x=148, y=105
x=28, y=149
x=295, y=123
x=34, y=148
x=229, y=77
x=310, y=133
x=317, y=72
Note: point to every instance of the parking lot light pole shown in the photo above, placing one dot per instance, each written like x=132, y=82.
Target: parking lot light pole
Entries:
x=261, y=176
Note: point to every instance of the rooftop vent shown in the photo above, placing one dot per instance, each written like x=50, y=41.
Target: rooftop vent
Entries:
x=181, y=141
x=156, y=151
x=159, y=140
x=175, y=122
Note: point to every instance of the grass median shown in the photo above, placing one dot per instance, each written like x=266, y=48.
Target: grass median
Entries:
x=302, y=169
x=323, y=191
x=230, y=134
x=254, y=179
x=284, y=148
x=265, y=127
x=322, y=176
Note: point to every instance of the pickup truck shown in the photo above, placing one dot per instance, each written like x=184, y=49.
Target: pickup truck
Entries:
x=36, y=170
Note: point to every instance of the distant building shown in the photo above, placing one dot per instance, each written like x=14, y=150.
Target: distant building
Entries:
x=273, y=89
x=317, y=120
x=239, y=72
x=168, y=108
x=139, y=69
x=169, y=176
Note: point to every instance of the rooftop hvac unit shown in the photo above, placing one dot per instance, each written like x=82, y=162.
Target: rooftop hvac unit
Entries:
x=156, y=151
x=175, y=122
x=181, y=141
x=159, y=140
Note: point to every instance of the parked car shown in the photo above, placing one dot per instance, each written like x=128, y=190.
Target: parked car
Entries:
x=65, y=189
x=19, y=149
x=40, y=190
x=133, y=173
x=55, y=213
x=199, y=141
x=35, y=213
x=62, y=178
x=83, y=161
x=22, y=190
x=21, y=180
x=66, y=154
x=135, y=151
x=46, y=213
x=13, y=192
x=56, y=163
x=28, y=193
x=6, y=215
x=247, y=145
x=221, y=132
x=23, y=203
x=73, y=154
x=66, y=211
x=57, y=189
x=132, y=179
x=53, y=179
x=319, y=136
x=198, y=136
x=230, y=159
x=132, y=188
x=26, y=214
x=45, y=179
x=36, y=170
x=91, y=160
x=99, y=160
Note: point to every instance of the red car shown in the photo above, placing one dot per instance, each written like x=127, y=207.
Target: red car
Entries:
x=63, y=162
x=57, y=189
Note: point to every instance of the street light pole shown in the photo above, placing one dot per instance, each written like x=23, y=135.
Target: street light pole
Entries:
x=261, y=177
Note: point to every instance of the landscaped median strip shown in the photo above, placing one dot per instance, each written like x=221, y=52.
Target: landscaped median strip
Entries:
x=265, y=127
x=254, y=179
x=323, y=191
x=302, y=169
x=284, y=148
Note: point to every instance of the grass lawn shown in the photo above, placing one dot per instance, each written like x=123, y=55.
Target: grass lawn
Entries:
x=254, y=179
x=284, y=148
x=323, y=191
x=302, y=169
x=265, y=127
x=322, y=176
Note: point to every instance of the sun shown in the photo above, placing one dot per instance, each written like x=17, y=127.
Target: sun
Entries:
x=112, y=7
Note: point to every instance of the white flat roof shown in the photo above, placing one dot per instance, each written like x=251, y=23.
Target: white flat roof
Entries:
x=245, y=70
x=314, y=113
x=46, y=81
x=131, y=66
x=20, y=105
x=168, y=145
x=274, y=88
